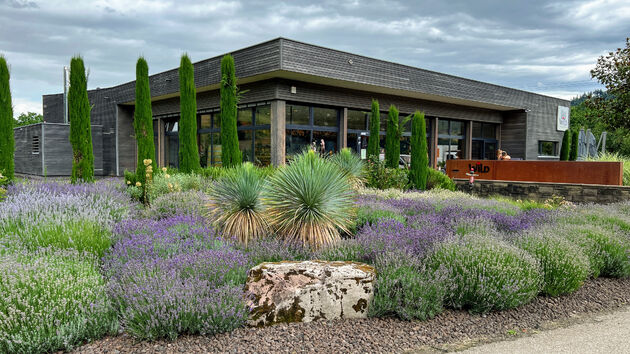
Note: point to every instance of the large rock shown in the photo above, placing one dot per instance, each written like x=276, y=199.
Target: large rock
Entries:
x=306, y=291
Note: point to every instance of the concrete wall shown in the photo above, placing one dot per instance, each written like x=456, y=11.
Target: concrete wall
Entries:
x=576, y=193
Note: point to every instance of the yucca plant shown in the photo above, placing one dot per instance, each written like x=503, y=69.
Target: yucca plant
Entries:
x=310, y=201
x=235, y=204
x=351, y=166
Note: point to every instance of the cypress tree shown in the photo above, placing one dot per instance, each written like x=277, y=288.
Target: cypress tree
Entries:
x=419, y=155
x=373, y=149
x=230, y=153
x=566, y=146
x=188, y=151
x=392, y=139
x=143, y=120
x=7, y=141
x=80, y=129
x=575, y=136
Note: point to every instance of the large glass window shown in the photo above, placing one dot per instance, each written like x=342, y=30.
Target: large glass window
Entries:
x=484, y=141
x=308, y=127
x=171, y=143
x=451, y=140
x=253, y=124
x=297, y=115
x=548, y=148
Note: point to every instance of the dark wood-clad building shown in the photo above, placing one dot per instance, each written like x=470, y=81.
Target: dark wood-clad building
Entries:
x=296, y=93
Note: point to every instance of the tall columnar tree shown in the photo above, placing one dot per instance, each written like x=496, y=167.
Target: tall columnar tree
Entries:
x=373, y=149
x=392, y=139
x=188, y=151
x=143, y=120
x=7, y=142
x=230, y=153
x=575, y=136
x=566, y=146
x=419, y=154
x=80, y=129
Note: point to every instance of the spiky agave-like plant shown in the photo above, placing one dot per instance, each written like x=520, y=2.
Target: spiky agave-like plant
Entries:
x=235, y=204
x=309, y=201
x=351, y=166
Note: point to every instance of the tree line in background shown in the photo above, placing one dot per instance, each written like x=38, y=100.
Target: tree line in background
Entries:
x=607, y=110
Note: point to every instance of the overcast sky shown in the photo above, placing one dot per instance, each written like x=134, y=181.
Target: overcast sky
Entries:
x=540, y=46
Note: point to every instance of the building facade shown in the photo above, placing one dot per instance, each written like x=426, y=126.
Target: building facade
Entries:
x=294, y=94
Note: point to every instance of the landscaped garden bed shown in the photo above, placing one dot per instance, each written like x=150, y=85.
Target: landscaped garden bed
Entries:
x=87, y=261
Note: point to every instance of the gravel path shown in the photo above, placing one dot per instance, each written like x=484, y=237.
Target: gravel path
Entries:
x=450, y=330
x=604, y=334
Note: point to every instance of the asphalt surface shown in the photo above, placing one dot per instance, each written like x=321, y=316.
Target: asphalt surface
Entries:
x=603, y=334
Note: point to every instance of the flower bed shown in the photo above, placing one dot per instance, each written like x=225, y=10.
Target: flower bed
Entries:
x=80, y=261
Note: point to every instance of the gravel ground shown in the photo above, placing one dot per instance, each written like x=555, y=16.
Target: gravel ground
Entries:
x=449, y=331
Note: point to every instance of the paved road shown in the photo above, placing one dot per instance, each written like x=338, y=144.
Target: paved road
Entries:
x=605, y=334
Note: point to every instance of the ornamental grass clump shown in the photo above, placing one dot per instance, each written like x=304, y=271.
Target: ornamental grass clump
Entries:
x=486, y=274
x=164, y=183
x=235, y=205
x=173, y=276
x=564, y=265
x=52, y=300
x=309, y=201
x=351, y=166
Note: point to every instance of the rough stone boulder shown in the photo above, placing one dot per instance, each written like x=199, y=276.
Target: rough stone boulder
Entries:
x=306, y=291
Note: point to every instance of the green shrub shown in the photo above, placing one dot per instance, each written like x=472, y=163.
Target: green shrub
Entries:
x=130, y=178
x=575, y=137
x=188, y=149
x=564, y=265
x=437, y=179
x=351, y=166
x=407, y=291
x=52, y=300
x=392, y=139
x=7, y=142
x=566, y=146
x=165, y=183
x=213, y=172
x=309, y=201
x=374, y=149
x=486, y=274
x=235, y=206
x=419, y=155
x=380, y=177
x=608, y=252
x=230, y=153
x=80, y=128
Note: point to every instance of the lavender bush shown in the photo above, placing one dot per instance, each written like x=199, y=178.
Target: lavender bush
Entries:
x=174, y=276
x=64, y=215
x=563, y=264
x=177, y=203
x=486, y=274
x=51, y=300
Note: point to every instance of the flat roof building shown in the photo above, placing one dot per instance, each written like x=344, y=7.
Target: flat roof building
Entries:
x=294, y=93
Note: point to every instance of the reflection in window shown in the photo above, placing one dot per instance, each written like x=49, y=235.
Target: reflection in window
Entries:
x=451, y=141
x=325, y=117
x=297, y=115
x=548, y=148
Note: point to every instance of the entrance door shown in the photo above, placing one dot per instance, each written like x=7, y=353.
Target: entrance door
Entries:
x=484, y=149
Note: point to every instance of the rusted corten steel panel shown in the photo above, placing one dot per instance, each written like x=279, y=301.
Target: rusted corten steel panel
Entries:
x=581, y=172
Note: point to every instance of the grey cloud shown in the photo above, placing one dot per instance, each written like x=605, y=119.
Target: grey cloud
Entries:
x=518, y=44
